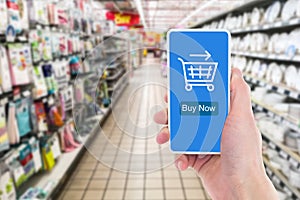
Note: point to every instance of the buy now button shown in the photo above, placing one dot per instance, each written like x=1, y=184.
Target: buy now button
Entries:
x=199, y=108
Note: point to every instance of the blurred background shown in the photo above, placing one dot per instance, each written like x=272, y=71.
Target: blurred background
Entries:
x=81, y=79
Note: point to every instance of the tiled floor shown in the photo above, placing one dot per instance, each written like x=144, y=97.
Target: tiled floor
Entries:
x=124, y=161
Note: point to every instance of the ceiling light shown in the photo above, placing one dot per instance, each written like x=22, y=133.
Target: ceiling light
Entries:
x=139, y=7
x=203, y=6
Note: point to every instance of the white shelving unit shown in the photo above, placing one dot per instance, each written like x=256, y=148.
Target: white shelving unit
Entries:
x=292, y=157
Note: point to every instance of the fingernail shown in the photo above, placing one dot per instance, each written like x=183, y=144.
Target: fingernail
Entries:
x=201, y=156
x=179, y=165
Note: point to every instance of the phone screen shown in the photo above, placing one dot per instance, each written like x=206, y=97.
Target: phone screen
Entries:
x=199, y=74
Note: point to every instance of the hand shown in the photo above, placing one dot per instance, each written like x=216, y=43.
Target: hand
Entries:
x=238, y=173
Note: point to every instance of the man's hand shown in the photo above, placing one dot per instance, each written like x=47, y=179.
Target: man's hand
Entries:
x=238, y=173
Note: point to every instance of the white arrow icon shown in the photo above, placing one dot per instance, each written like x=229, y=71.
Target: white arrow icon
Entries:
x=206, y=55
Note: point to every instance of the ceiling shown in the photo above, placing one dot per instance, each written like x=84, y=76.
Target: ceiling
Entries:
x=165, y=14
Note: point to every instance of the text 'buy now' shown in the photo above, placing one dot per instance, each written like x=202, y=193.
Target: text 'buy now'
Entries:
x=199, y=108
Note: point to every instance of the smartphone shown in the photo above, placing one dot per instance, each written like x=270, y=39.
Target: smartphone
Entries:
x=198, y=78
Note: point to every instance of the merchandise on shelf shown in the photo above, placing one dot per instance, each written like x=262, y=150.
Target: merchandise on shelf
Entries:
x=38, y=13
x=12, y=126
x=23, y=116
x=40, y=87
x=14, y=12
x=55, y=146
x=3, y=16
x=4, y=143
x=50, y=78
x=75, y=65
x=16, y=169
x=61, y=74
x=36, y=153
x=67, y=97
x=20, y=63
x=47, y=155
x=5, y=80
x=7, y=188
x=41, y=116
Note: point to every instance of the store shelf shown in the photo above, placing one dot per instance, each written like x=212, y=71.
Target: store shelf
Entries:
x=120, y=81
x=222, y=15
x=267, y=56
x=115, y=51
x=116, y=76
x=113, y=66
x=279, y=88
x=120, y=86
x=265, y=27
x=284, y=151
x=278, y=116
x=65, y=162
x=278, y=178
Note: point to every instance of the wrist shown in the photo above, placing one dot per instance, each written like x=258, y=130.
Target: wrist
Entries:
x=256, y=186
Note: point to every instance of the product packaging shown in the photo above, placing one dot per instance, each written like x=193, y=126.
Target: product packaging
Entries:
x=4, y=143
x=41, y=116
x=36, y=155
x=12, y=126
x=7, y=187
x=20, y=61
x=3, y=16
x=40, y=87
x=5, y=80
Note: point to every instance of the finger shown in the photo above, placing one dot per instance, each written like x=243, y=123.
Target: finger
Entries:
x=163, y=136
x=200, y=162
x=240, y=100
x=182, y=162
x=161, y=117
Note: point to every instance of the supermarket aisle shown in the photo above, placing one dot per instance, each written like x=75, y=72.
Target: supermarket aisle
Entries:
x=127, y=163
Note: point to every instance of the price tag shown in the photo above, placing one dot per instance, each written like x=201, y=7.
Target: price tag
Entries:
x=276, y=180
x=26, y=93
x=271, y=114
x=294, y=95
x=266, y=26
x=285, y=122
x=280, y=90
x=261, y=83
x=268, y=86
x=278, y=118
x=288, y=191
x=272, y=145
x=293, y=162
x=272, y=56
x=50, y=101
x=282, y=57
x=293, y=126
x=293, y=21
x=283, y=154
x=4, y=101
x=277, y=24
x=259, y=108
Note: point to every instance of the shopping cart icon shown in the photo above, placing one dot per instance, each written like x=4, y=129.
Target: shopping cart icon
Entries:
x=199, y=74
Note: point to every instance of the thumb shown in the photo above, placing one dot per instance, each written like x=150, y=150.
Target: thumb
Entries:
x=240, y=99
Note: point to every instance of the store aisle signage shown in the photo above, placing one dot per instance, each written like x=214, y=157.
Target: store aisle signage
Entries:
x=199, y=89
x=123, y=19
